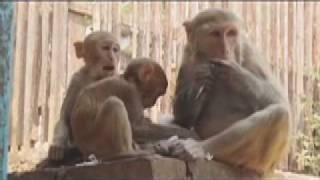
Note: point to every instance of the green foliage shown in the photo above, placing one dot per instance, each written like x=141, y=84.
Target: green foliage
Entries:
x=309, y=141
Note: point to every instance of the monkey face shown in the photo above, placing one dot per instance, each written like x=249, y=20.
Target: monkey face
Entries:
x=214, y=34
x=217, y=40
x=106, y=57
x=150, y=94
x=101, y=52
x=152, y=86
x=149, y=79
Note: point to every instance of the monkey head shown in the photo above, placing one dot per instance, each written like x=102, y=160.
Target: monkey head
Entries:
x=149, y=78
x=100, y=51
x=214, y=34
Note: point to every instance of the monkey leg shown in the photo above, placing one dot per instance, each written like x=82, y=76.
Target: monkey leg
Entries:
x=113, y=133
x=256, y=142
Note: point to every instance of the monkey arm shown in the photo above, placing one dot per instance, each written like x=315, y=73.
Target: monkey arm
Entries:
x=146, y=131
x=62, y=128
x=258, y=86
x=189, y=101
x=151, y=132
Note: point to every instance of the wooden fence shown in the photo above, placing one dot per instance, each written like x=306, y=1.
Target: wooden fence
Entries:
x=288, y=33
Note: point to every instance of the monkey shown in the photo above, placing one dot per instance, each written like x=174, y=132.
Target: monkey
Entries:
x=100, y=52
x=226, y=92
x=108, y=115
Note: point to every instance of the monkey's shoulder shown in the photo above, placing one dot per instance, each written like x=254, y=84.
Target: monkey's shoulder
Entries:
x=112, y=86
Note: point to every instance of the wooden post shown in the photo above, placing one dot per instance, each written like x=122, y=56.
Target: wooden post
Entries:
x=6, y=52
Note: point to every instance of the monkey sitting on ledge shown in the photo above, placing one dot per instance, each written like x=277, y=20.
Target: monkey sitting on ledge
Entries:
x=228, y=95
x=108, y=115
x=100, y=52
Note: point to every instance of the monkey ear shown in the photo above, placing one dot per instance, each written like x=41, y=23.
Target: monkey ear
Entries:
x=79, y=49
x=146, y=72
x=187, y=27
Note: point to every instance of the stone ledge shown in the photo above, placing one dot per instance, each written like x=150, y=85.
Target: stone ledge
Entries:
x=153, y=168
x=201, y=169
x=144, y=168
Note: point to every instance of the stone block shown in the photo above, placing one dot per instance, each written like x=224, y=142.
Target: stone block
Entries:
x=34, y=175
x=212, y=170
x=145, y=168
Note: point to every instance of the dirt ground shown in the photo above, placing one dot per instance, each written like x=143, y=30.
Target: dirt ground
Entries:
x=26, y=160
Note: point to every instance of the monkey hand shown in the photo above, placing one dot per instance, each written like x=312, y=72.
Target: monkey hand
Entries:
x=230, y=72
x=163, y=146
x=204, y=75
x=226, y=69
x=188, y=150
x=56, y=153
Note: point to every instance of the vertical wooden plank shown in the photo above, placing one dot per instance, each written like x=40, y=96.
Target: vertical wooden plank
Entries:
x=96, y=16
x=316, y=35
x=156, y=47
x=58, y=63
x=147, y=28
x=110, y=5
x=300, y=57
x=258, y=26
x=274, y=38
x=104, y=16
x=308, y=71
x=31, y=76
x=193, y=8
x=236, y=7
x=36, y=66
x=291, y=51
x=46, y=33
x=76, y=32
x=284, y=43
x=18, y=77
x=134, y=29
x=140, y=30
x=203, y=5
x=6, y=56
x=292, y=44
x=266, y=31
x=168, y=39
x=249, y=12
x=116, y=19
x=308, y=51
x=216, y=4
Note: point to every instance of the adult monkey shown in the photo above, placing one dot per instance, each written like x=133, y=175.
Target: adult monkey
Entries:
x=226, y=92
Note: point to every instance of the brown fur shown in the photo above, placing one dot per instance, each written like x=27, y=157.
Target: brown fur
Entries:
x=105, y=111
x=225, y=91
x=100, y=52
x=108, y=115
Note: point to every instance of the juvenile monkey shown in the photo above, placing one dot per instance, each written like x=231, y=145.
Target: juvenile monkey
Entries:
x=225, y=91
x=100, y=52
x=108, y=113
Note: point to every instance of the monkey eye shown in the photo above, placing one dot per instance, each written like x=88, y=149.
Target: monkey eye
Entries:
x=106, y=48
x=215, y=33
x=115, y=49
x=232, y=33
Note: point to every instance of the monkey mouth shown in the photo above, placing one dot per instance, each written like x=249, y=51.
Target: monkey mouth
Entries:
x=108, y=68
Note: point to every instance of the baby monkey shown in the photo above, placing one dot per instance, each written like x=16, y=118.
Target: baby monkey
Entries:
x=109, y=112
